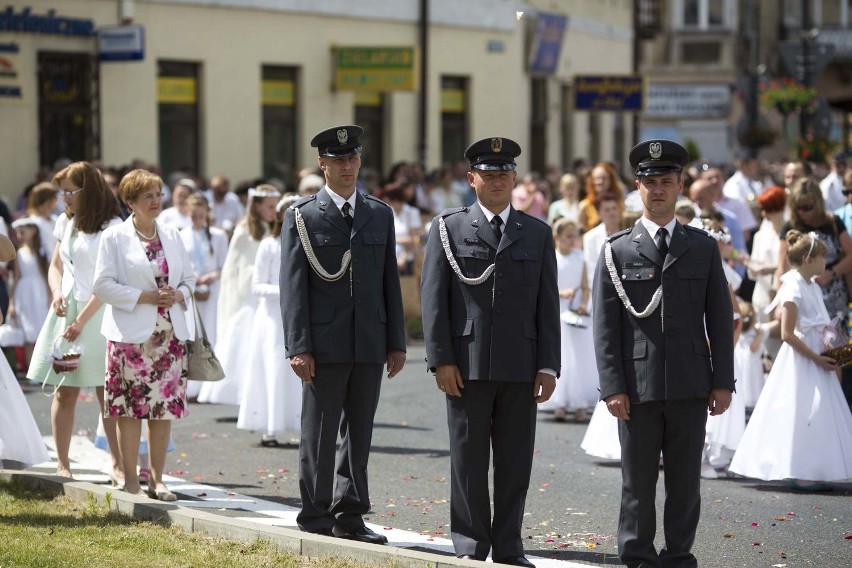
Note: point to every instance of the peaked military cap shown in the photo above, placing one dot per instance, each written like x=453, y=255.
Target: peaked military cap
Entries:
x=339, y=141
x=493, y=154
x=658, y=157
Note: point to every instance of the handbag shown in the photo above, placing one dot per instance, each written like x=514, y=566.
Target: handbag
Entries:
x=202, y=364
x=11, y=334
x=202, y=293
x=573, y=319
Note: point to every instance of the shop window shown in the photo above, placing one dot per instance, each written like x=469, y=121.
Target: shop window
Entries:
x=370, y=115
x=454, y=135
x=67, y=107
x=177, y=99
x=278, y=101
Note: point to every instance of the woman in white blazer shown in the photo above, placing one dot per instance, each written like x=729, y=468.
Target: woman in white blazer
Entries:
x=145, y=277
x=75, y=313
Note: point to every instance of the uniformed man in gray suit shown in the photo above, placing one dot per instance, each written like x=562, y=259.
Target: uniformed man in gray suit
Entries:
x=663, y=328
x=491, y=320
x=342, y=310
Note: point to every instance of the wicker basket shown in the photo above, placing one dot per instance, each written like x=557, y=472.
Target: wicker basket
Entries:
x=842, y=354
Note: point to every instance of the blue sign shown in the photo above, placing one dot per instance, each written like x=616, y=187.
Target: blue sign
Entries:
x=547, y=43
x=10, y=91
x=609, y=92
x=51, y=24
x=121, y=43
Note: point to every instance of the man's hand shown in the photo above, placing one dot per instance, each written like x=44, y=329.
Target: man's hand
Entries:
x=719, y=401
x=303, y=365
x=449, y=380
x=618, y=405
x=544, y=386
x=396, y=361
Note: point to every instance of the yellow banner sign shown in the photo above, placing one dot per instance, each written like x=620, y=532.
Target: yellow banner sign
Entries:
x=376, y=69
x=452, y=100
x=177, y=90
x=278, y=93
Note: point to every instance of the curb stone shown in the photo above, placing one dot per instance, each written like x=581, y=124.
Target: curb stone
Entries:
x=201, y=522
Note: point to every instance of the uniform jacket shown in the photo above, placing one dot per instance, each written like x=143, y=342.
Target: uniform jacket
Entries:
x=639, y=356
x=123, y=272
x=506, y=328
x=357, y=320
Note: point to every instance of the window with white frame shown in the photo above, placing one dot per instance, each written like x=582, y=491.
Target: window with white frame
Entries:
x=704, y=14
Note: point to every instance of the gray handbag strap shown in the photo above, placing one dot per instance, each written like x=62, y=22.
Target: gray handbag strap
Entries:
x=199, y=324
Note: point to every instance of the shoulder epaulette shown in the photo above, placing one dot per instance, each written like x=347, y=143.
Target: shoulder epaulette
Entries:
x=376, y=199
x=303, y=200
x=618, y=234
x=698, y=230
x=453, y=210
x=528, y=216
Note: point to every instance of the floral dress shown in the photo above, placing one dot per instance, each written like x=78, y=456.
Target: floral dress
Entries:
x=148, y=380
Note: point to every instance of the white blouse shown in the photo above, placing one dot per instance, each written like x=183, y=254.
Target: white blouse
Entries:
x=78, y=261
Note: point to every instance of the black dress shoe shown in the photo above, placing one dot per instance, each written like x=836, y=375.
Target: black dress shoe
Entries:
x=515, y=561
x=273, y=443
x=362, y=534
x=323, y=532
x=471, y=557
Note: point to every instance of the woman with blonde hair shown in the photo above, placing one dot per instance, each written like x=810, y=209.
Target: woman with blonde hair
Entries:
x=808, y=214
x=236, y=304
x=602, y=179
x=145, y=277
x=40, y=206
x=76, y=313
x=569, y=206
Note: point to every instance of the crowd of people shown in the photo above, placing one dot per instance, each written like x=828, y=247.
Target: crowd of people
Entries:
x=108, y=258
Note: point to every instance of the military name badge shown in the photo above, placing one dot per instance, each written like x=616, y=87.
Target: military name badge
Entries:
x=637, y=271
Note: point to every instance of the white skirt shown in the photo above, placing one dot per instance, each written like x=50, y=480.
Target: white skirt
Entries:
x=724, y=432
x=601, y=439
x=231, y=351
x=801, y=427
x=20, y=438
x=272, y=392
x=577, y=386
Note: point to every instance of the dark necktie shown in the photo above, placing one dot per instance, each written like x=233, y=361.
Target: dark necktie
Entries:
x=496, y=224
x=662, y=245
x=347, y=215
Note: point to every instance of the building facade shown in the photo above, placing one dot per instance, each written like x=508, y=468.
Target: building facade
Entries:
x=240, y=86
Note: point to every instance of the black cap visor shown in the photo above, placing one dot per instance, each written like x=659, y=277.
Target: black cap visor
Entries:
x=657, y=168
x=340, y=151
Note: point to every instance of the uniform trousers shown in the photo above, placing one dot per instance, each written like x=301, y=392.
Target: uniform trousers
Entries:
x=343, y=398
x=677, y=429
x=498, y=417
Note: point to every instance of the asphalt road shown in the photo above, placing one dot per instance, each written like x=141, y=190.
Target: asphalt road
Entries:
x=572, y=506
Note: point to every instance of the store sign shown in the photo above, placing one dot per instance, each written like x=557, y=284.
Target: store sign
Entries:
x=609, y=92
x=547, y=43
x=121, y=43
x=51, y=24
x=176, y=90
x=277, y=93
x=377, y=69
x=452, y=100
x=9, y=74
x=688, y=101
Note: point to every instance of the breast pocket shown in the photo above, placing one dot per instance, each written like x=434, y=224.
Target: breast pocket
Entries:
x=329, y=249
x=692, y=281
x=530, y=260
x=375, y=243
x=472, y=260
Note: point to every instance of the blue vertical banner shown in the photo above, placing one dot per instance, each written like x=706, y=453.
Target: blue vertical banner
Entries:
x=547, y=43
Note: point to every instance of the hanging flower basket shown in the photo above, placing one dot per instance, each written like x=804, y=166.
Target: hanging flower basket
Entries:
x=788, y=97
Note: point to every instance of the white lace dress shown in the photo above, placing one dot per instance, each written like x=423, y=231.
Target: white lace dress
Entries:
x=801, y=427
